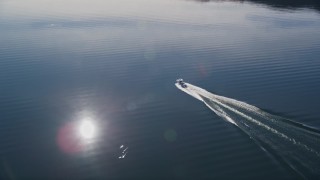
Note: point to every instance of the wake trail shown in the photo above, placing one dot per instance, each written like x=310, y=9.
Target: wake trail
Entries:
x=293, y=143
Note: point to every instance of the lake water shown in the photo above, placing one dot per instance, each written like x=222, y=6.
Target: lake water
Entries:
x=87, y=87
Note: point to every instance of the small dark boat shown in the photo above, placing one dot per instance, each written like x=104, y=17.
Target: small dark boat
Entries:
x=181, y=83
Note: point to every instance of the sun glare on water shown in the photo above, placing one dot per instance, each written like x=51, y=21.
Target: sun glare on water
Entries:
x=87, y=129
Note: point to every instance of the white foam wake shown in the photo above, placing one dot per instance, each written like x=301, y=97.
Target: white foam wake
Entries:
x=295, y=144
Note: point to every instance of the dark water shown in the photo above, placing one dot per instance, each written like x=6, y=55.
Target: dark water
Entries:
x=87, y=87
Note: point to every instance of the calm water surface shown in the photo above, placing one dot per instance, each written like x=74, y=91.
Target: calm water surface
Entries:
x=87, y=87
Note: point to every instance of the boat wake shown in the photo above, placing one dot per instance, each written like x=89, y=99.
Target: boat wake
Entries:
x=293, y=143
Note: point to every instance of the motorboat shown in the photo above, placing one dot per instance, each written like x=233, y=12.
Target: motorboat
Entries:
x=181, y=83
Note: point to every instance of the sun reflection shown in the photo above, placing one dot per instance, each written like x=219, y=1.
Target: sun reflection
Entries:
x=87, y=129
x=78, y=135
